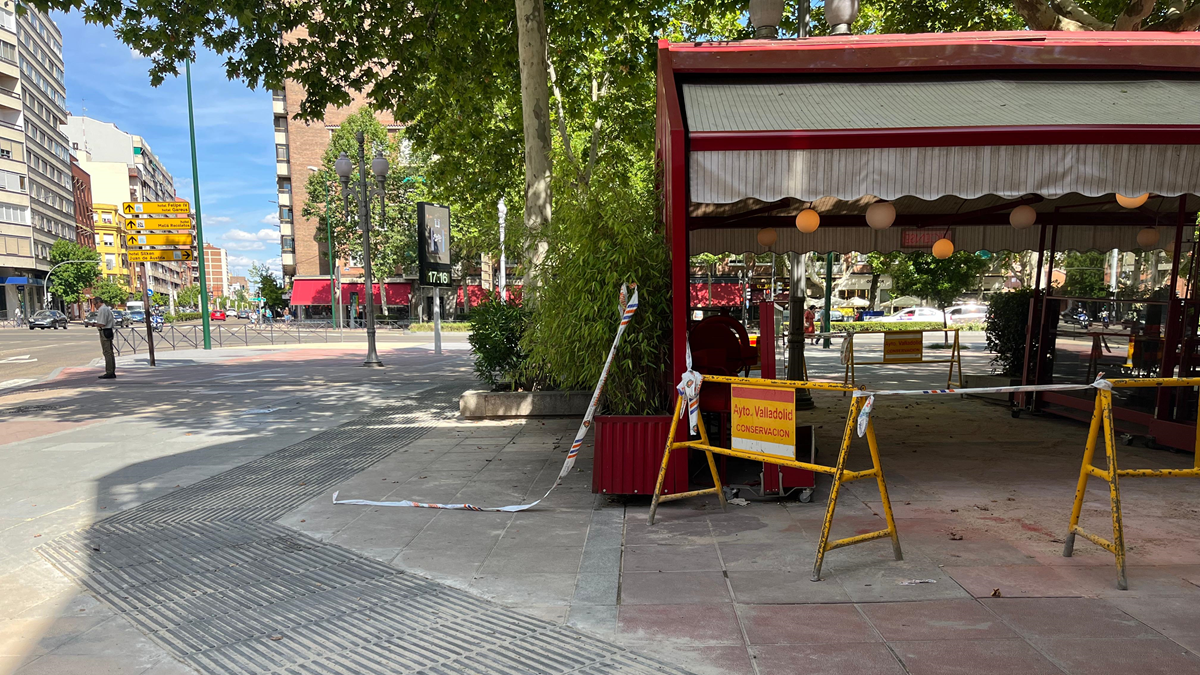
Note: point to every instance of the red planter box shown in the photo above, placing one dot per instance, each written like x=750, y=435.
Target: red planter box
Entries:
x=629, y=451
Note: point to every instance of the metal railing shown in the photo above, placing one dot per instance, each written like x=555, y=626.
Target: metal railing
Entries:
x=132, y=340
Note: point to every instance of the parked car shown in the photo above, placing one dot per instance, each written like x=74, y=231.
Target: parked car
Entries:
x=217, y=315
x=137, y=317
x=915, y=314
x=966, y=313
x=243, y=314
x=48, y=318
x=121, y=318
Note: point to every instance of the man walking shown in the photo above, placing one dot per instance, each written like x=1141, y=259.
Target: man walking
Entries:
x=105, y=322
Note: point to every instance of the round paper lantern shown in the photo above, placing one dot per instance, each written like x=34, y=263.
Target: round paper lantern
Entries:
x=766, y=237
x=1132, y=202
x=943, y=248
x=1022, y=217
x=1147, y=237
x=1169, y=249
x=807, y=221
x=881, y=215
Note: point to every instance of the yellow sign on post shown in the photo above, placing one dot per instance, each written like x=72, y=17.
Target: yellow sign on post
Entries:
x=161, y=256
x=903, y=346
x=134, y=208
x=158, y=240
x=134, y=224
x=764, y=421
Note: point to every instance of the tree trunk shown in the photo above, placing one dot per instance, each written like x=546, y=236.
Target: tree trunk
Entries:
x=874, y=292
x=535, y=113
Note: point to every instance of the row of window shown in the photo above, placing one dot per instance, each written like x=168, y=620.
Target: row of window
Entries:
x=8, y=52
x=13, y=213
x=42, y=56
x=50, y=171
x=34, y=76
x=60, y=150
x=48, y=35
x=13, y=182
x=52, y=198
x=57, y=228
x=34, y=104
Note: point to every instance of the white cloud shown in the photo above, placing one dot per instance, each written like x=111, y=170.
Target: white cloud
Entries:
x=265, y=234
x=135, y=53
x=219, y=219
x=244, y=246
x=271, y=218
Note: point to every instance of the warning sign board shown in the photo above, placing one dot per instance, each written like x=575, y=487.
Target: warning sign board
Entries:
x=764, y=421
x=903, y=347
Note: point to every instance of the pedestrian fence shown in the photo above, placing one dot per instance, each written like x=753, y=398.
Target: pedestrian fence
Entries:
x=902, y=347
x=132, y=339
x=858, y=420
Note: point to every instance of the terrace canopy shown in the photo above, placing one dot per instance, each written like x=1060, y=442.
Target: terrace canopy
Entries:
x=956, y=130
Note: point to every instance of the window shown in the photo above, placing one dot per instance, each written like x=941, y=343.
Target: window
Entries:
x=288, y=243
x=13, y=182
x=8, y=20
x=110, y=261
x=281, y=153
x=285, y=185
x=106, y=218
x=108, y=240
x=280, y=124
x=285, y=213
x=14, y=214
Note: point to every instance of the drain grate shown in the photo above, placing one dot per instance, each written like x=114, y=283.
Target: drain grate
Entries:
x=207, y=574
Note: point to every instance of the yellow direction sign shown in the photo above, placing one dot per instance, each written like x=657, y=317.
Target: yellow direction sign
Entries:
x=132, y=224
x=160, y=256
x=136, y=208
x=158, y=239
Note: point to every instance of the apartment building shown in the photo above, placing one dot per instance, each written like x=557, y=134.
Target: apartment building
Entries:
x=124, y=168
x=238, y=284
x=216, y=271
x=37, y=206
x=299, y=151
x=110, y=244
x=85, y=216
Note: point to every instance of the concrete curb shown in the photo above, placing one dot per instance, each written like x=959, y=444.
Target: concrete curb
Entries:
x=481, y=404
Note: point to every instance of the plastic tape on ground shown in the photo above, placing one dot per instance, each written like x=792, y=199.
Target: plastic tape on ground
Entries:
x=627, y=310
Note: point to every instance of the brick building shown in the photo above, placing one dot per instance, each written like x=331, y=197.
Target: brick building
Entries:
x=216, y=271
x=85, y=217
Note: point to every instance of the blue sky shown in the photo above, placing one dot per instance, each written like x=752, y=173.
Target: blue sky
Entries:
x=234, y=134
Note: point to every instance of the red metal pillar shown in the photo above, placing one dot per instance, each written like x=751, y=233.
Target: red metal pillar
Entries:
x=766, y=339
x=1173, y=331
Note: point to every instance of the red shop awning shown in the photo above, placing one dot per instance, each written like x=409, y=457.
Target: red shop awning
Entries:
x=723, y=295
x=475, y=293
x=316, y=292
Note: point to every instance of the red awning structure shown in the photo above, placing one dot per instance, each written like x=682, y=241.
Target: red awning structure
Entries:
x=475, y=293
x=316, y=292
x=723, y=295
x=962, y=133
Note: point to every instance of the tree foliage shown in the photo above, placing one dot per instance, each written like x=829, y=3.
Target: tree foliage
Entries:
x=269, y=288
x=939, y=281
x=71, y=280
x=188, y=296
x=111, y=293
x=1084, y=275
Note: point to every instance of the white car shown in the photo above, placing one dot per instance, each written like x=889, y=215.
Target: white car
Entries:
x=915, y=314
x=966, y=313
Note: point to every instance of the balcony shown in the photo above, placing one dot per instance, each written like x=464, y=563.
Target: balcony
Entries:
x=285, y=199
x=280, y=137
x=278, y=106
x=282, y=169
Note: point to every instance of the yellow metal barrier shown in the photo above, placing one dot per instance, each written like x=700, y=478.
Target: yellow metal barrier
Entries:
x=839, y=472
x=1102, y=420
x=902, y=357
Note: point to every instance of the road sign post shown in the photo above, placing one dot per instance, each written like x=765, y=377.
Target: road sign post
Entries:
x=204, y=318
x=146, y=312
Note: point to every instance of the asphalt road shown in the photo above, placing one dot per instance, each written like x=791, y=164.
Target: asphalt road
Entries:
x=30, y=354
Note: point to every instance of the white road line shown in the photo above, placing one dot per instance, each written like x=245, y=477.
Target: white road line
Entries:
x=9, y=384
x=18, y=359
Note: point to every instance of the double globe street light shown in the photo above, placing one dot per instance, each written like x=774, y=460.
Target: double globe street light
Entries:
x=344, y=166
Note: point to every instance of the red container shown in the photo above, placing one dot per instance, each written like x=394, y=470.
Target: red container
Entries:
x=629, y=451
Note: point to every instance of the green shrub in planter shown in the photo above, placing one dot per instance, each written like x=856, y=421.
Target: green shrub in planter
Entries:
x=447, y=326
x=496, y=329
x=182, y=316
x=1008, y=313
x=605, y=234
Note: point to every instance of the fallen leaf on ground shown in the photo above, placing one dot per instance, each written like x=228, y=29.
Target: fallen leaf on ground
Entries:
x=996, y=593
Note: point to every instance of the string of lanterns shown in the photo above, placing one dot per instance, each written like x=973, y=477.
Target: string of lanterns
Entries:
x=882, y=214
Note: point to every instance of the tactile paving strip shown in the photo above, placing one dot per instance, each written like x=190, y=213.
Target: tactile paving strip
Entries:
x=208, y=575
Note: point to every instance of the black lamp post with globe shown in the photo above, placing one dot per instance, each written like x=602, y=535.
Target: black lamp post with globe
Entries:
x=362, y=198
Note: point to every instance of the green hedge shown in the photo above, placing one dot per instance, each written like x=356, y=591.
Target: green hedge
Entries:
x=182, y=316
x=877, y=326
x=447, y=327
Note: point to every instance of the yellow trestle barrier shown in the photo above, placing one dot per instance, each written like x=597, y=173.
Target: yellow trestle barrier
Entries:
x=1102, y=420
x=839, y=472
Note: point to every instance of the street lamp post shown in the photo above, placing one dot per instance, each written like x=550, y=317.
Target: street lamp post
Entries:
x=362, y=196
x=335, y=306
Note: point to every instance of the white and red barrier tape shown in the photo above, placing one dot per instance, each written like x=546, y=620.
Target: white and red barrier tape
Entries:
x=865, y=414
x=627, y=310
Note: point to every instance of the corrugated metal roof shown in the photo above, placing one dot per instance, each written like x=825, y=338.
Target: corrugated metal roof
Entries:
x=945, y=102
x=1011, y=171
